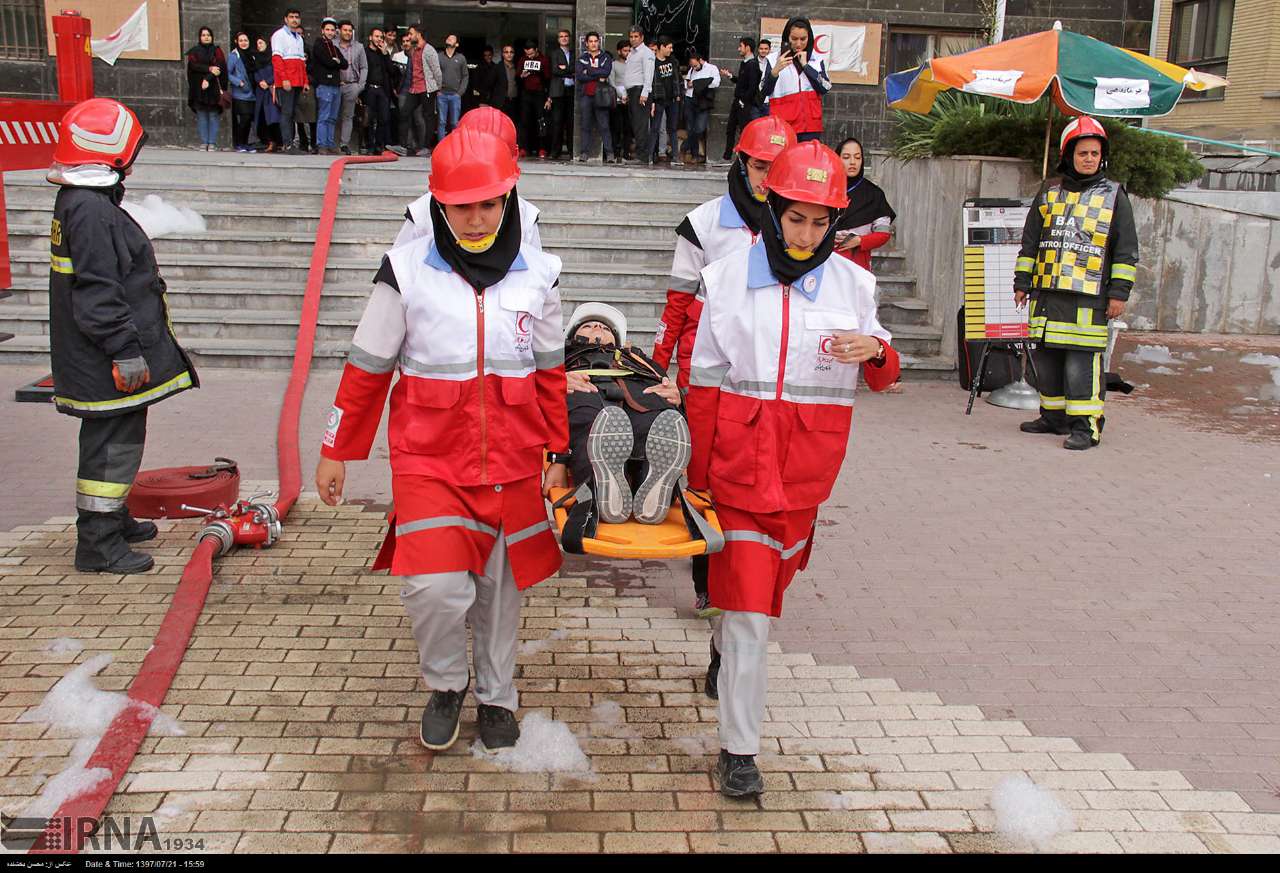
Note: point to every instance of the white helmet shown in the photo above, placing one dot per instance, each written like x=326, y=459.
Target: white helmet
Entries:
x=601, y=312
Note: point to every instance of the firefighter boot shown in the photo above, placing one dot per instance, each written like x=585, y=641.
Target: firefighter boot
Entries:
x=1046, y=423
x=1080, y=439
x=135, y=531
x=101, y=547
x=738, y=775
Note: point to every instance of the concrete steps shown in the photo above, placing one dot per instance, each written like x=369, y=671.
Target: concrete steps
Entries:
x=235, y=291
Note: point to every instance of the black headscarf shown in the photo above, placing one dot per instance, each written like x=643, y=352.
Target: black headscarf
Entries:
x=751, y=209
x=785, y=268
x=481, y=269
x=786, y=33
x=866, y=199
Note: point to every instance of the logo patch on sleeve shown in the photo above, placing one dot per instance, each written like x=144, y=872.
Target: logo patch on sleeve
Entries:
x=662, y=332
x=331, y=427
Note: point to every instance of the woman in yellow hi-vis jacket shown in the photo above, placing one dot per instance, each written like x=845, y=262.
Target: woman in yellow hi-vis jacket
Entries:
x=1078, y=263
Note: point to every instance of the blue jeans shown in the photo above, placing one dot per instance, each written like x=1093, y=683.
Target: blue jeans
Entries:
x=450, y=109
x=663, y=113
x=207, y=123
x=696, y=119
x=328, y=101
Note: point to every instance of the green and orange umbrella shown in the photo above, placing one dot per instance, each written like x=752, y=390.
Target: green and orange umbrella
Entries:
x=1086, y=77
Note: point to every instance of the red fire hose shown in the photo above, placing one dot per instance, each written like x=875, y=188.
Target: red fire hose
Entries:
x=116, y=750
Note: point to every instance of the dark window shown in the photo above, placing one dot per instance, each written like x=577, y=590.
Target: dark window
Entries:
x=911, y=47
x=1200, y=37
x=22, y=29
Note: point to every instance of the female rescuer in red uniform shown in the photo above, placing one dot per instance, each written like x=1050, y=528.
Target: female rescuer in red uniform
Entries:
x=775, y=363
x=471, y=318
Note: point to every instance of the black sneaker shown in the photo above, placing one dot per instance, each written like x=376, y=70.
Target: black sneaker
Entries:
x=139, y=531
x=129, y=562
x=712, y=686
x=1079, y=441
x=440, y=719
x=738, y=775
x=498, y=727
x=668, y=449
x=1044, y=425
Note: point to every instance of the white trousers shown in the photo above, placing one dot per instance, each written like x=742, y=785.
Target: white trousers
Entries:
x=742, y=639
x=441, y=605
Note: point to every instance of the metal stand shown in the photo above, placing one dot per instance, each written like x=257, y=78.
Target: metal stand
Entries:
x=1015, y=395
x=1019, y=394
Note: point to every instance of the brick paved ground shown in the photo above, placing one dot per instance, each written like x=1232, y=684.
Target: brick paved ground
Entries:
x=1143, y=623
x=299, y=699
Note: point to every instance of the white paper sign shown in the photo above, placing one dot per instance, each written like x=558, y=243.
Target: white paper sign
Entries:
x=997, y=83
x=840, y=47
x=1121, y=93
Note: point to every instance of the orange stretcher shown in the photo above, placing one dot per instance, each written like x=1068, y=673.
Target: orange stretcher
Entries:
x=691, y=528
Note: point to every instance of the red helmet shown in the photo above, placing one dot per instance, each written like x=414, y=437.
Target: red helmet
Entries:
x=1079, y=128
x=469, y=166
x=808, y=172
x=765, y=138
x=486, y=119
x=99, y=131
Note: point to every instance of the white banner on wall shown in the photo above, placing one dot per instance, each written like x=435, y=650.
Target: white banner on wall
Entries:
x=131, y=36
x=850, y=49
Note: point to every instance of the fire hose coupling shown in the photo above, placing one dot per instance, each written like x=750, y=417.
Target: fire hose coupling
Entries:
x=243, y=524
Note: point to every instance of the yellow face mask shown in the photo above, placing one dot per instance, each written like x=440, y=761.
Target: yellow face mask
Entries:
x=761, y=197
x=476, y=246
x=798, y=254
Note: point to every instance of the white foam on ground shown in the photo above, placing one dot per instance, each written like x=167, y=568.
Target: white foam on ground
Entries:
x=64, y=646
x=169, y=811
x=608, y=711
x=1028, y=813
x=696, y=746
x=1162, y=371
x=158, y=217
x=1208, y=369
x=532, y=647
x=1151, y=355
x=77, y=705
x=1141, y=322
x=545, y=746
x=1261, y=360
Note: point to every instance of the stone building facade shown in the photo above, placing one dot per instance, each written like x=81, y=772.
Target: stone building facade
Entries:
x=910, y=29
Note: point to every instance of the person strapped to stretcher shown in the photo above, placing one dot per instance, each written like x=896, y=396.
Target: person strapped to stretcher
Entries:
x=628, y=439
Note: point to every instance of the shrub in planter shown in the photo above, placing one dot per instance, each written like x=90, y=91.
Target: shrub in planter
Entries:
x=1147, y=165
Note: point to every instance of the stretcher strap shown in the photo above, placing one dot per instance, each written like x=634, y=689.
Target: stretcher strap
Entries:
x=698, y=524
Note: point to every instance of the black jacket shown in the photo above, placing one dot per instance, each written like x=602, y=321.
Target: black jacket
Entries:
x=666, y=81
x=498, y=95
x=561, y=68
x=746, y=88
x=106, y=303
x=483, y=80
x=326, y=61
x=382, y=72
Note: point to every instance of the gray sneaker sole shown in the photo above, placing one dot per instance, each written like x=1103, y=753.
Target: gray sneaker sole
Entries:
x=609, y=445
x=668, y=450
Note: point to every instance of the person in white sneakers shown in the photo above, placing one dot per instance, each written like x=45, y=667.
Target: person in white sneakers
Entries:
x=783, y=333
x=486, y=119
x=471, y=319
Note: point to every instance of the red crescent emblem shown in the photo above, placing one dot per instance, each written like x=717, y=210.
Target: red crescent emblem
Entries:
x=522, y=323
x=825, y=344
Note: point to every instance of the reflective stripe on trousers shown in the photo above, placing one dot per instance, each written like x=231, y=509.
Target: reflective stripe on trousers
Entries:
x=441, y=605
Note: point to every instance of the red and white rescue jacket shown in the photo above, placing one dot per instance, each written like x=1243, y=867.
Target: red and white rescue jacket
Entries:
x=793, y=96
x=481, y=391
x=417, y=222
x=708, y=233
x=770, y=408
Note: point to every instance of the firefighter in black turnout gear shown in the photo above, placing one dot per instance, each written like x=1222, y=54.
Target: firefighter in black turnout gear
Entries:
x=1078, y=263
x=112, y=349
